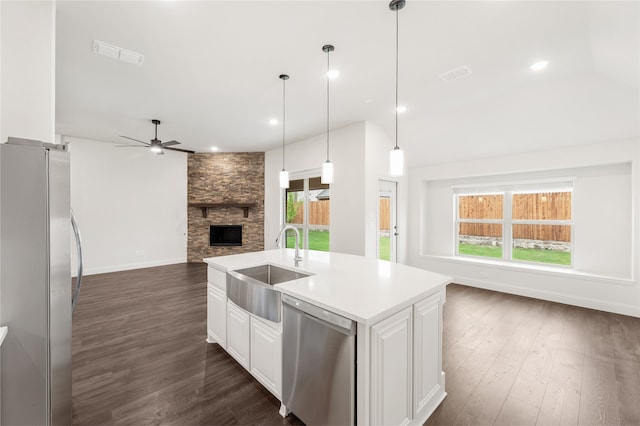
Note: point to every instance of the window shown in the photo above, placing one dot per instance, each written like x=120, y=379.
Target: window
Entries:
x=524, y=225
x=307, y=207
x=541, y=227
x=480, y=223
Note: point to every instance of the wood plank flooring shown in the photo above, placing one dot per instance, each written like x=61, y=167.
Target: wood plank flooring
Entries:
x=520, y=361
x=140, y=357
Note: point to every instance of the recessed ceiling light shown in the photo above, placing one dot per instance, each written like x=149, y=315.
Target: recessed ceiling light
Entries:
x=333, y=74
x=401, y=109
x=214, y=148
x=539, y=66
x=273, y=122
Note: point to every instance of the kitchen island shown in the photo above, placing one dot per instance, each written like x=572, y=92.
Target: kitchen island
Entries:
x=398, y=311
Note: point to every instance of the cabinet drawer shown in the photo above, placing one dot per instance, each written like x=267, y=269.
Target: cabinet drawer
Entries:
x=217, y=278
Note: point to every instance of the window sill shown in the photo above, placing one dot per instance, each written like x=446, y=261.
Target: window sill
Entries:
x=558, y=271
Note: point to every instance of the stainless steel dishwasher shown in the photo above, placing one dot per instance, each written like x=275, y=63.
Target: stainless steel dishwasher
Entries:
x=319, y=364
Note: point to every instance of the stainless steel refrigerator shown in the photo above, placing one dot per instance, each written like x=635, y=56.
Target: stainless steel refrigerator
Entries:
x=35, y=283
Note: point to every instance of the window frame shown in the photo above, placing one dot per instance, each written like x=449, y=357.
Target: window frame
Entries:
x=458, y=221
x=507, y=221
x=304, y=227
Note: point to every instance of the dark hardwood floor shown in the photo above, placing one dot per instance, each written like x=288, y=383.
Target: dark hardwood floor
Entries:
x=140, y=357
x=520, y=361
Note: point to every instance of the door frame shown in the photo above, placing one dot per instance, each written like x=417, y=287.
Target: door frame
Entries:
x=388, y=189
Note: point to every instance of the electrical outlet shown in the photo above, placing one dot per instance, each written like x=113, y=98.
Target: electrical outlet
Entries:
x=140, y=252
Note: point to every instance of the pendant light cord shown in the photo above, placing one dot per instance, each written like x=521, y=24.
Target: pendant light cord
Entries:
x=328, y=53
x=397, y=37
x=283, y=117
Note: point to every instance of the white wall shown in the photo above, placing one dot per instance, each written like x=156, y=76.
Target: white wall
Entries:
x=28, y=70
x=360, y=156
x=347, y=228
x=131, y=205
x=605, y=215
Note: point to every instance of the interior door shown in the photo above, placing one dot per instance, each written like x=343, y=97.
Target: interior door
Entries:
x=387, y=229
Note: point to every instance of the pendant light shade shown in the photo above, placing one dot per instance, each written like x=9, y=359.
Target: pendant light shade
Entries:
x=396, y=156
x=327, y=172
x=327, y=167
x=396, y=162
x=284, y=179
x=284, y=174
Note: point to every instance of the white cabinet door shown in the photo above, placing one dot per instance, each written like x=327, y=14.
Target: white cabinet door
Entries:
x=391, y=370
x=266, y=356
x=427, y=350
x=216, y=316
x=238, y=334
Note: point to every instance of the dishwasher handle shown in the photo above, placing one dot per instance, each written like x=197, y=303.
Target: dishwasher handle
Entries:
x=338, y=322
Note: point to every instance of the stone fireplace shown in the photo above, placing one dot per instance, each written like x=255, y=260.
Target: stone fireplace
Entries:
x=225, y=190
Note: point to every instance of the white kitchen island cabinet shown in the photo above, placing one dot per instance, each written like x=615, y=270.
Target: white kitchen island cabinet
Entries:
x=216, y=307
x=216, y=316
x=266, y=355
x=398, y=311
x=238, y=337
x=392, y=370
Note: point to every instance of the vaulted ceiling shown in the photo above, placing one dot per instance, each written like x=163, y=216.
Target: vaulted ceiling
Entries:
x=210, y=73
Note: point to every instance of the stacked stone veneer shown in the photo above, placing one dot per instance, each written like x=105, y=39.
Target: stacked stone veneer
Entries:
x=225, y=178
x=517, y=242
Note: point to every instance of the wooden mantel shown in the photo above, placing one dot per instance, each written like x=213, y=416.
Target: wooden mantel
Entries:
x=204, y=206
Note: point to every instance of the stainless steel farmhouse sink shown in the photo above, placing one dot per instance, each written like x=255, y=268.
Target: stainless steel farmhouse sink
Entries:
x=252, y=289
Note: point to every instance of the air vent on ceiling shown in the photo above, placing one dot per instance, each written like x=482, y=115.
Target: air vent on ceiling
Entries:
x=115, y=52
x=456, y=73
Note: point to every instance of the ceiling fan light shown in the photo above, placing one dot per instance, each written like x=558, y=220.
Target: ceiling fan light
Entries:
x=284, y=179
x=155, y=148
x=396, y=162
x=327, y=172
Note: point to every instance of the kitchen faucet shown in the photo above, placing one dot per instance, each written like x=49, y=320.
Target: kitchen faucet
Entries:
x=297, y=258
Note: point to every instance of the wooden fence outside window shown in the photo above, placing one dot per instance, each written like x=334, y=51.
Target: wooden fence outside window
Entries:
x=319, y=213
x=538, y=206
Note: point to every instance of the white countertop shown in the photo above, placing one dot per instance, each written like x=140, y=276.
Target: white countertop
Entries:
x=362, y=289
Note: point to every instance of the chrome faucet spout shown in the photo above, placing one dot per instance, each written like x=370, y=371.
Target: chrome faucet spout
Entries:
x=283, y=232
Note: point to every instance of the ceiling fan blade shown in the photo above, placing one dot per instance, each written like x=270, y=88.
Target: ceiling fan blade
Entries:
x=136, y=140
x=170, y=143
x=130, y=146
x=181, y=150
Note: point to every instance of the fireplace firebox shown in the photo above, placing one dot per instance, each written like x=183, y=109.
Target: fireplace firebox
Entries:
x=225, y=235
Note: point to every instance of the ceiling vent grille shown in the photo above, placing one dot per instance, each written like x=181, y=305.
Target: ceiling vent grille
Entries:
x=115, y=52
x=456, y=73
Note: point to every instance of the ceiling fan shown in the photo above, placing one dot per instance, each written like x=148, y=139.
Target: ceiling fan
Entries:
x=156, y=144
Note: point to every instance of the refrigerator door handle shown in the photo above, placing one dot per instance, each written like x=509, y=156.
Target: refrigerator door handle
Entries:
x=76, y=232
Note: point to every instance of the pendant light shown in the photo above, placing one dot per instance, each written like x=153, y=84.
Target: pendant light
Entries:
x=396, y=156
x=327, y=166
x=284, y=174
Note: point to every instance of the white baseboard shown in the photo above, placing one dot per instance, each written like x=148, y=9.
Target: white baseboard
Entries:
x=129, y=266
x=585, y=302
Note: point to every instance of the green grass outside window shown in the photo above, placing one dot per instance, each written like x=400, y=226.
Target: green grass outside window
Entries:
x=526, y=254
